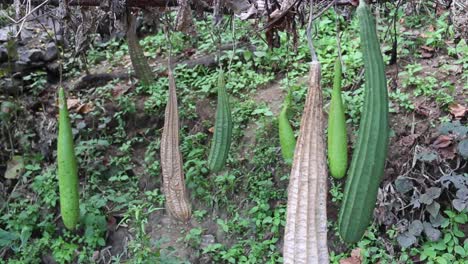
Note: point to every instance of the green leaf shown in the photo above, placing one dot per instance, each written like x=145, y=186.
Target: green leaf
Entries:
x=406, y=239
x=433, y=208
x=415, y=228
x=438, y=220
x=427, y=156
x=431, y=233
x=460, y=251
x=403, y=184
x=463, y=148
x=441, y=260
x=7, y=238
x=15, y=167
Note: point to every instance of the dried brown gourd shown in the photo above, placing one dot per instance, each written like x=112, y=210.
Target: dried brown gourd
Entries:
x=177, y=202
x=305, y=239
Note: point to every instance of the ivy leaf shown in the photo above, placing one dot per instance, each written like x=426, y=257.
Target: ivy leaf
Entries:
x=415, y=228
x=427, y=156
x=459, y=204
x=463, y=148
x=437, y=220
x=434, y=192
x=462, y=193
x=433, y=208
x=406, y=239
x=458, y=181
x=431, y=194
x=403, y=184
x=454, y=127
x=431, y=233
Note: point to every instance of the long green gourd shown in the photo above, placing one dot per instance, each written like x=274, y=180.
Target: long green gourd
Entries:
x=67, y=167
x=367, y=166
x=223, y=129
x=337, y=139
x=286, y=133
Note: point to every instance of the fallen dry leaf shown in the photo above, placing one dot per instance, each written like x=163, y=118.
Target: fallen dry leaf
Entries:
x=427, y=48
x=356, y=253
x=85, y=108
x=119, y=90
x=458, y=110
x=72, y=103
x=408, y=141
x=442, y=141
x=426, y=55
x=350, y=260
x=448, y=153
x=354, y=259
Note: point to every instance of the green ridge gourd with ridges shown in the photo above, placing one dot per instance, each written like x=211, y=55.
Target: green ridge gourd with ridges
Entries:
x=337, y=139
x=286, y=133
x=67, y=167
x=367, y=166
x=223, y=129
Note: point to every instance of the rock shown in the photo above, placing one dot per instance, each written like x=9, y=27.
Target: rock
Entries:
x=6, y=33
x=51, y=52
x=21, y=66
x=53, y=68
x=11, y=86
x=35, y=55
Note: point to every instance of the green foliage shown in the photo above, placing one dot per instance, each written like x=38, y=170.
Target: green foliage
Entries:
x=243, y=206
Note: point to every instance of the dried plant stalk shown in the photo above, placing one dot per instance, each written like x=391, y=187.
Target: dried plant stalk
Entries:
x=305, y=239
x=177, y=202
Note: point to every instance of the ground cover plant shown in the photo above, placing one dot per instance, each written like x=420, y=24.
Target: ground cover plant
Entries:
x=239, y=207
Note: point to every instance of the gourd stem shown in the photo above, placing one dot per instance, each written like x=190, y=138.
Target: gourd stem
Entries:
x=309, y=34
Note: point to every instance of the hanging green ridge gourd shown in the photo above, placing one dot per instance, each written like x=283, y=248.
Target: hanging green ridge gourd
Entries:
x=286, y=133
x=139, y=61
x=337, y=139
x=367, y=166
x=67, y=167
x=221, y=141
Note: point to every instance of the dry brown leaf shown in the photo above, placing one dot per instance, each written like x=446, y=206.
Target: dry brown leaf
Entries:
x=354, y=259
x=427, y=48
x=72, y=103
x=426, y=55
x=356, y=253
x=350, y=260
x=408, y=141
x=448, y=153
x=85, y=108
x=458, y=110
x=442, y=141
x=119, y=90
